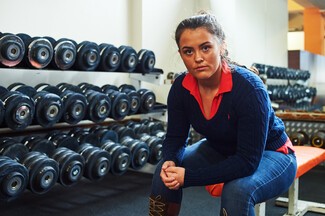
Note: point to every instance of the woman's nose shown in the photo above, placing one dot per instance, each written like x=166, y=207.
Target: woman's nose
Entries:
x=198, y=57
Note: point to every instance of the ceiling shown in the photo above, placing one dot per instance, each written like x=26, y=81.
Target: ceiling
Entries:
x=299, y=5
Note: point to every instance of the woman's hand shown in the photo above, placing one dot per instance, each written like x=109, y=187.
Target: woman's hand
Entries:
x=172, y=176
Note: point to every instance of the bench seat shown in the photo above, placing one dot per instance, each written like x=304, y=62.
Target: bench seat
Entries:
x=307, y=158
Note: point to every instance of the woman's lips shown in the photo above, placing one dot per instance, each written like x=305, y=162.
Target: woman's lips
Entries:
x=201, y=68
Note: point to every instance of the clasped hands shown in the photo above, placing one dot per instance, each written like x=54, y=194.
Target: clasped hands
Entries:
x=172, y=176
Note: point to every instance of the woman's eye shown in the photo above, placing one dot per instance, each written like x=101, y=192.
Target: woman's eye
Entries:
x=188, y=52
x=205, y=48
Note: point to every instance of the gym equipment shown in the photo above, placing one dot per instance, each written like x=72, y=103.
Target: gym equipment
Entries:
x=318, y=139
x=110, y=57
x=71, y=166
x=139, y=151
x=84, y=136
x=39, y=51
x=299, y=138
x=119, y=100
x=13, y=149
x=120, y=155
x=99, y=106
x=19, y=109
x=64, y=53
x=13, y=178
x=103, y=134
x=12, y=50
x=129, y=59
x=74, y=106
x=134, y=97
x=39, y=144
x=147, y=100
x=146, y=61
x=97, y=161
x=43, y=172
x=88, y=56
x=61, y=139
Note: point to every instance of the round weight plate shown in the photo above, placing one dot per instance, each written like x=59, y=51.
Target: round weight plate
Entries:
x=12, y=50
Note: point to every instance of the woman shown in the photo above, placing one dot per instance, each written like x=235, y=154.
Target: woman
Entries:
x=245, y=145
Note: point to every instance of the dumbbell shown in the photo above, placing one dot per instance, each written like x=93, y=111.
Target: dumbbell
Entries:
x=134, y=97
x=88, y=56
x=146, y=61
x=139, y=151
x=299, y=138
x=71, y=166
x=103, y=134
x=39, y=51
x=84, y=136
x=129, y=59
x=19, y=109
x=119, y=100
x=318, y=139
x=147, y=100
x=110, y=57
x=12, y=49
x=43, y=171
x=97, y=161
x=39, y=144
x=74, y=103
x=64, y=53
x=154, y=143
x=48, y=106
x=120, y=156
x=99, y=106
x=13, y=178
x=13, y=149
x=156, y=128
x=61, y=139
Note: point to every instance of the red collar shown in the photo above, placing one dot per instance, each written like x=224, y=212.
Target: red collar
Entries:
x=190, y=83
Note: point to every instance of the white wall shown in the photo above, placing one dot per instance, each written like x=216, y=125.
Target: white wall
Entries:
x=256, y=31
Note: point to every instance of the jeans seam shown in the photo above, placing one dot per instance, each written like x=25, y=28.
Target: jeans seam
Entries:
x=275, y=177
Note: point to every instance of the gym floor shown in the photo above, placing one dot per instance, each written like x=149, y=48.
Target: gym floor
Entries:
x=127, y=195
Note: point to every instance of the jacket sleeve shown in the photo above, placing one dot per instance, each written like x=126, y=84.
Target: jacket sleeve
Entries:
x=178, y=124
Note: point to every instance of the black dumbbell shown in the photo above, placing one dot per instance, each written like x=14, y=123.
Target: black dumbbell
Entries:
x=110, y=57
x=13, y=178
x=147, y=100
x=88, y=56
x=39, y=144
x=19, y=109
x=84, y=136
x=39, y=51
x=155, y=147
x=103, y=134
x=97, y=161
x=120, y=156
x=12, y=148
x=71, y=166
x=120, y=104
x=12, y=50
x=139, y=151
x=48, y=88
x=129, y=59
x=146, y=61
x=99, y=106
x=74, y=106
x=64, y=53
x=43, y=172
x=61, y=139
x=318, y=139
x=134, y=97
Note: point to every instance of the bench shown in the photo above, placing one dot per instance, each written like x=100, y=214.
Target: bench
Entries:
x=307, y=158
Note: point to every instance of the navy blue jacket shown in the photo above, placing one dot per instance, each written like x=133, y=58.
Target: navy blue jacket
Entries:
x=243, y=127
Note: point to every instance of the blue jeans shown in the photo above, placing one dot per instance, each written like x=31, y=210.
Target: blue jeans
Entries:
x=273, y=177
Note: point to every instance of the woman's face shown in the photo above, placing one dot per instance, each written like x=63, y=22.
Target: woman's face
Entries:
x=201, y=52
